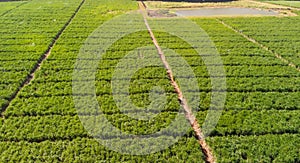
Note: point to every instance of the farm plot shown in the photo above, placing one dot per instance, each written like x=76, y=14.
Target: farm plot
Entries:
x=26, y=34
x=278, y=34
x=47, y=100
x=260, y=121
x=254, y=108
x=9, y=6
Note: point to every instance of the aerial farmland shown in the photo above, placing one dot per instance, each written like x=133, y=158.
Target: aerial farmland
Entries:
x=149, y=81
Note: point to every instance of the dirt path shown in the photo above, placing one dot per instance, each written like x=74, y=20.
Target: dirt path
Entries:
x=291, y=64
x=37, y=66
x=188, y=112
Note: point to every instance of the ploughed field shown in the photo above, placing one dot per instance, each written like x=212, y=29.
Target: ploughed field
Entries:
x=40, y=42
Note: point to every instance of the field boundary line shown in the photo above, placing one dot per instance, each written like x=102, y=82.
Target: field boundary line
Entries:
x=187, y=110
x=144, y=6
x=38, y=65
x=277, y=55
x=8, y=11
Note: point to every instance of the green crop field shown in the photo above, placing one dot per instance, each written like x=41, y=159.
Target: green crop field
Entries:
x=40, y=43
x=287, y=3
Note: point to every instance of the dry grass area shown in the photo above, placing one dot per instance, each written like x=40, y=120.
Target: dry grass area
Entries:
x=283, y=10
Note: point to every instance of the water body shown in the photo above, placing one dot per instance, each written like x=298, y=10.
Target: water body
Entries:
x=224, y=11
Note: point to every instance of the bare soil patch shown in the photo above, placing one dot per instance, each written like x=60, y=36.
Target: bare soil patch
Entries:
x=265, y=9
x=226, y=12
x=160, y=13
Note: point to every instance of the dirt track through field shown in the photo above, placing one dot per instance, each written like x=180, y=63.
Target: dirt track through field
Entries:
x=187, y=110
x=291, y=64
x=37, y=66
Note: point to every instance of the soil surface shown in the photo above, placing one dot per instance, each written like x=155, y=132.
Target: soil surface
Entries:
x=224, y=11
x=245, y=8
x=160, y=13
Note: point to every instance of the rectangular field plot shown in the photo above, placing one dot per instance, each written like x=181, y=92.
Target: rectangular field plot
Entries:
x=282, y=37
x=281, y=148
x=29, y=37
x=89, y=150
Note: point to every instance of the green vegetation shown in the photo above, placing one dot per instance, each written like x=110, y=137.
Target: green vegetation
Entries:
x=260, y=121
x=280, y=36
x=264, y=148
x=8, y=6
x=286, y=3
x=48, y=101
x=24, y=39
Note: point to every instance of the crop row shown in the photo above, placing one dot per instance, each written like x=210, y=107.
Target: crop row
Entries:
x=192, y=61
x=69, y=127
x=60, y=73
x=269, y=84
x=33, y=46
x=282, y=36
x=64, y=105
x=264, y=148
x=89, y=150
x=7, y=6
x=245, y=122
x=157, y=72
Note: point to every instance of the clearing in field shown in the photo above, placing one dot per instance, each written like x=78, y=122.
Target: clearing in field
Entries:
x=216, y=9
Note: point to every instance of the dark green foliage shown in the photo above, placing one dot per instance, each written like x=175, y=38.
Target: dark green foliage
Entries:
x=264, y=148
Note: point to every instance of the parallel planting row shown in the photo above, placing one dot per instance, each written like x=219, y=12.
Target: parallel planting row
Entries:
x=26, y=34
x=265, y=121
x=260, y=121
x=43, y=115
x=9, y=6
x=280, y=35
